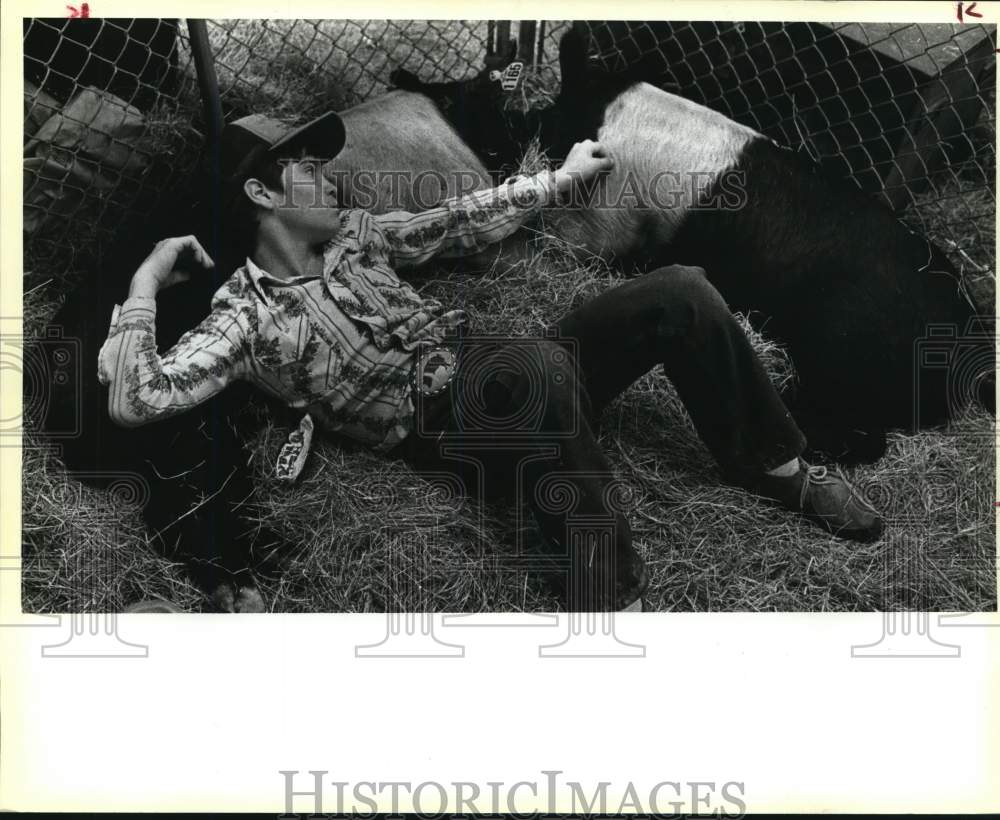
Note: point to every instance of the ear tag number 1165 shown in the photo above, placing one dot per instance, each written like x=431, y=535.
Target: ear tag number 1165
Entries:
x=509, y=77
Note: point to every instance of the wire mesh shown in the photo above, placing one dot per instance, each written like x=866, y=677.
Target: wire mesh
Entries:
x=269, y=64
x=108, y=122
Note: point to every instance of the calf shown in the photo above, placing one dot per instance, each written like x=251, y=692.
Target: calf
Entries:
x=198, y=489
x=820, y=266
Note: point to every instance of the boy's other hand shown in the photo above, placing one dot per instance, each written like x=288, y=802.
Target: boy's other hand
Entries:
x=584, y=161
x=171, y=261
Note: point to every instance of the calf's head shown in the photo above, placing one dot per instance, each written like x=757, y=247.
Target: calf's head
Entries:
x=476, y=109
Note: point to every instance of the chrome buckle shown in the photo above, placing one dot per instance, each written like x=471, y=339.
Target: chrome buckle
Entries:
x=433, y=370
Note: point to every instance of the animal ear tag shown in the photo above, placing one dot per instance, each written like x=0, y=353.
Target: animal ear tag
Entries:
x=509, y=77
x=294, y=452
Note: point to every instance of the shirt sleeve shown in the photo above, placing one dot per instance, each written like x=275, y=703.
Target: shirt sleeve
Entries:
x=145, y=386
x=463, y=225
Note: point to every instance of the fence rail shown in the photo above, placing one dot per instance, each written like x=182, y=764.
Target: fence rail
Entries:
x=113, y=119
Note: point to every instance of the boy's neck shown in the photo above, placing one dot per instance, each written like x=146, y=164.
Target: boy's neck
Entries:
x=284, y=257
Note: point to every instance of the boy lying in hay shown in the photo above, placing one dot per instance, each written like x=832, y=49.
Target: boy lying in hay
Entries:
x=318, y=318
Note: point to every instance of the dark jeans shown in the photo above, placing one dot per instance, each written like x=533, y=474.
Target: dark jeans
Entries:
x=519, y=418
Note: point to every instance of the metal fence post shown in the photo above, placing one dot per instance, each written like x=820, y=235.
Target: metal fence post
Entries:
x=526, y=41
x=208, y=82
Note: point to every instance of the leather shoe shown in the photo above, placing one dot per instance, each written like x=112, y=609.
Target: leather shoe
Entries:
x=824, y=497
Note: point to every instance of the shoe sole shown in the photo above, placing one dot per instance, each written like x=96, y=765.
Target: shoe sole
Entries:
x=865, y=536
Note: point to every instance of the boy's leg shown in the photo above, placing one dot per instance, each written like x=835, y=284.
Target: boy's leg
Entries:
x=675, y=318
x=549, y=457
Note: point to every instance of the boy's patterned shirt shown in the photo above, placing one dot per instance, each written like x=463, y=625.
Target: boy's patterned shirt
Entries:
x=340, y=345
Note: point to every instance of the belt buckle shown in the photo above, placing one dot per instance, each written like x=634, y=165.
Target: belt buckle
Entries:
x=433, y=370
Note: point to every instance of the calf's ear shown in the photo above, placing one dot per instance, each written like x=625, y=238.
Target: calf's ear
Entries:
x=572, y=54
x=406, y=80
x=572, y=63
x=511, y=54
x=502, y=59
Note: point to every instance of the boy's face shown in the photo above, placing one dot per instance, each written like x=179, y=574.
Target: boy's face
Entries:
x=309, y=201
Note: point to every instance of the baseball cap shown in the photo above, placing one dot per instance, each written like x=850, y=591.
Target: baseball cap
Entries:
x=249, y=139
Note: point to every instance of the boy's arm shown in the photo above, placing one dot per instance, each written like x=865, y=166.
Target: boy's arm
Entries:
x=145, y=386
x=468, y=224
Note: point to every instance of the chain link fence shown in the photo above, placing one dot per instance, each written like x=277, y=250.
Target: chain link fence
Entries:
x=281, y=65
x=113, y=118
x=107, y=123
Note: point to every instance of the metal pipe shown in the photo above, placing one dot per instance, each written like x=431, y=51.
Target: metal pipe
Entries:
x=208, y=82
x=503, y=35
x=526, y=41
x=212, y=195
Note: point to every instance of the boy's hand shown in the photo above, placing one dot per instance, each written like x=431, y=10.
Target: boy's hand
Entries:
x=584, y=161
x=171, y=261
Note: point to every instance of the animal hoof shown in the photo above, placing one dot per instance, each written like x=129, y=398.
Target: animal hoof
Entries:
x=223, y=599
x=249, y=599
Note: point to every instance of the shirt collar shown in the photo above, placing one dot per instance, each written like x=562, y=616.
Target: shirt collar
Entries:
x=259, y=277
x=256, y=274
x=332, y=255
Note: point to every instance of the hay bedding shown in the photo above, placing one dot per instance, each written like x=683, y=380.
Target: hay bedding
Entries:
x=366, y=534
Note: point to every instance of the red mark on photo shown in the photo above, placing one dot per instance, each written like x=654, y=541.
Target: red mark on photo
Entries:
x=970, y=10
x=84, y=11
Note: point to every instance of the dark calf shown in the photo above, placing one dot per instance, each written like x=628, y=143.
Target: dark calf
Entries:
x=475, y=108
x=826, y=269
x=200, y=489
x=498, y=134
